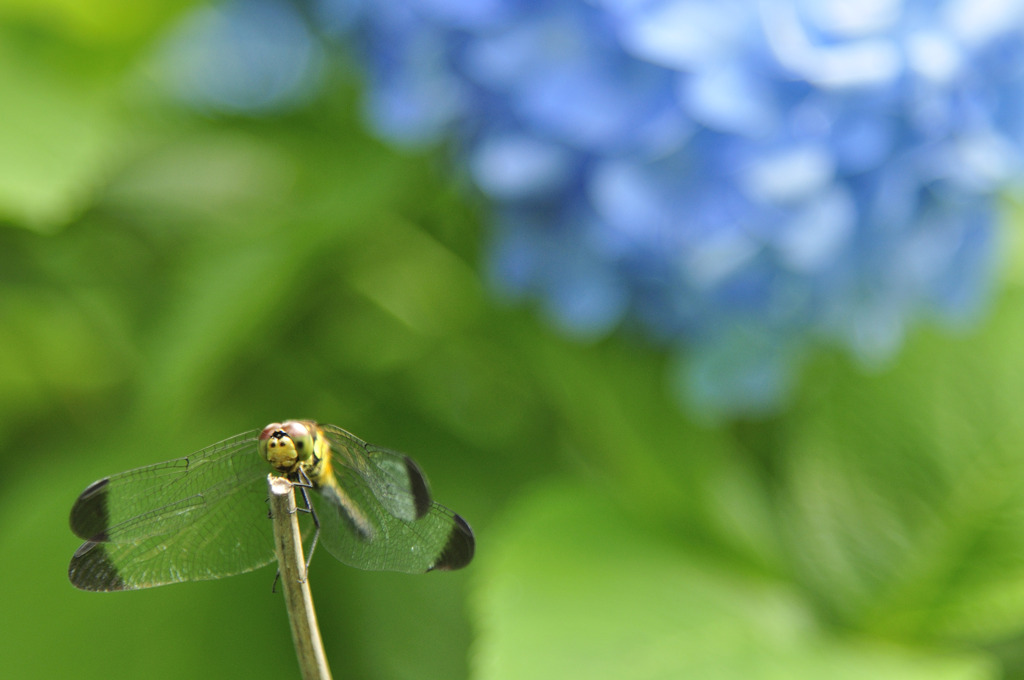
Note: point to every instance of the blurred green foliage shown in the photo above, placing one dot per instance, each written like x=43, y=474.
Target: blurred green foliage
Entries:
x=168, y=280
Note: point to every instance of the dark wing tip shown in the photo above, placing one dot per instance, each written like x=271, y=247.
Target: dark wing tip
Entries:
x=91, y=569
x=458, y=551
x=418, y=487
x=90, y=517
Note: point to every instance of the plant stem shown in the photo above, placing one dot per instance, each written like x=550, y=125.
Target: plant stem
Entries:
x=292, y=568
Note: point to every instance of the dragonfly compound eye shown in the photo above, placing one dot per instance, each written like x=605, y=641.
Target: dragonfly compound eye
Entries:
x=301, y=439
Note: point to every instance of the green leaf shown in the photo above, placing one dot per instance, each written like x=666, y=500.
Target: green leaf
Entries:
x=95, y=22
x=58, y=140
x=569, y=588
x=623, y=425
x=906, y=489
x=65, y=78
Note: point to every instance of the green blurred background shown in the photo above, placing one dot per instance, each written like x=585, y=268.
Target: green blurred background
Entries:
x=169, y=279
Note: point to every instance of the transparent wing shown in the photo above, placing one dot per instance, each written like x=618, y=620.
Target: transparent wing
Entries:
x=376, y=513
x=393, y=478
x=194, y=518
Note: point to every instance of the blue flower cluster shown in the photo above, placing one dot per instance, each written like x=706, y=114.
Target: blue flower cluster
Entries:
x=739, y=179
x=251, y=56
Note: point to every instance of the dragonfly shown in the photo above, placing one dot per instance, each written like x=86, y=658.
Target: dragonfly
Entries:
x=205, y=516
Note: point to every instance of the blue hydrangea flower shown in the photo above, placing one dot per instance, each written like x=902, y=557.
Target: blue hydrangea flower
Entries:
x=243, y=56
x=739, y=179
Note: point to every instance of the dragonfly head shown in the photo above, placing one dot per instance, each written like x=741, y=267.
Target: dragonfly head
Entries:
x=286, y=445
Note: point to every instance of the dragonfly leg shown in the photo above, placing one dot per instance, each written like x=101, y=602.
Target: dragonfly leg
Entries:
x=304, y=483
x=316, y=523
